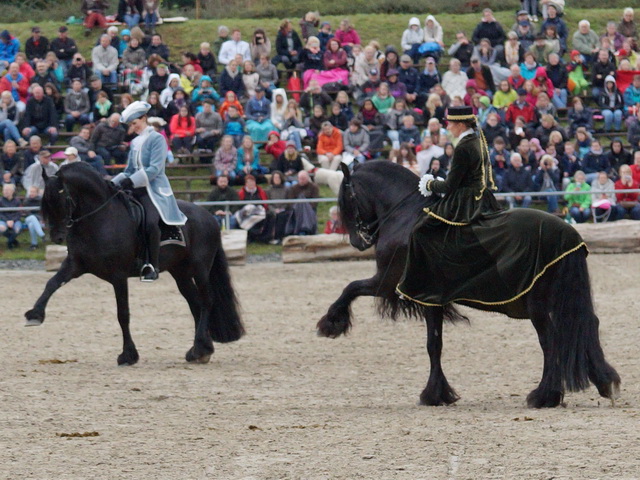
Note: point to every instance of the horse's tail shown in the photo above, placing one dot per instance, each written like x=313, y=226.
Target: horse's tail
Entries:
x=225, y=324
x=577, y=341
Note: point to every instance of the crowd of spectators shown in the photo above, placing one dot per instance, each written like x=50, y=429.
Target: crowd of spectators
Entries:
x=316, y=95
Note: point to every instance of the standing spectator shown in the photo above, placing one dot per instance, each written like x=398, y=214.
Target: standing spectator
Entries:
x=490, y=29
x=76, y=106
x=33, y=174
x=233, y=47
x=107, y=140
x=105, y=60
x=586, y=41
x=40, y=116
x=330, y=146
x=36, y=46
x=64, y=47
x=347, y=35
x=531, y=7
x=611, y=105
x=627, y=203
x=517, y=179
x=462, y=49
x=157, y=47
x=10, y=224
x=130, y=12
x=94, y=11
x=412, y=38
x=182, y=129
x=288, y=46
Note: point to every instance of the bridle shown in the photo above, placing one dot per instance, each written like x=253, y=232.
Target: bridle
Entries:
x=71, y=207
x=367, y=232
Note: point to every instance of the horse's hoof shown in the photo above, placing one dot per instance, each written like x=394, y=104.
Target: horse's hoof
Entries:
x=127, y=359
x=33, y=322
x=192, y=358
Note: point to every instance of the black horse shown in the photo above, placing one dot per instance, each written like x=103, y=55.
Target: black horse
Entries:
x=379, y=204
x=102, y=238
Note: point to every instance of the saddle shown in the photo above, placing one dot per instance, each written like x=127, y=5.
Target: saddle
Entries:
x=169, y=234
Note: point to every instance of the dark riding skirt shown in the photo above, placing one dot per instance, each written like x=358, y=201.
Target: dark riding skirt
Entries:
x=489, y=264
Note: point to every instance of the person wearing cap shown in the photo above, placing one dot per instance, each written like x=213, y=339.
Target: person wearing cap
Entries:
x=521, y=16
x=521, y=108
x=145, y=175
x=370, y=87
x=64, y=47
x=412, y=38
x=33, y=174
x=467, y=198
x=94, y=11
x=36, y=46
x=71, y=156
x=397, y=89
x=541, y=49
x=9, y=47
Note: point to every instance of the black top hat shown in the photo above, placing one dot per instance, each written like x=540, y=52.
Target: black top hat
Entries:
x=460, y=114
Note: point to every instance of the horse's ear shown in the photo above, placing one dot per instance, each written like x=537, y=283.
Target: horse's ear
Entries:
x=345, y=170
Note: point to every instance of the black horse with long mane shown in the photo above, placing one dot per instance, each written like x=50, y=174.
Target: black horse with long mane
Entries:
x=94, y=216
x=380, y=204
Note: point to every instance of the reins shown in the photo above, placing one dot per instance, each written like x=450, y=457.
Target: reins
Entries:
x=71, y=205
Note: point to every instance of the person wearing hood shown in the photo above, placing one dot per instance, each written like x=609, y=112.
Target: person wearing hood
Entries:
x=397, y=89
x=433, y=31
x=489, y=28
x=412, y=38
x=258, y=113
x=9, y=48
x=231, y=80
x=129, y=12
x=278, y=107
x=205, y=91
x=542, y=83
x=611, y=105
x=173, y=83
x=288, y=46
x=391, y=60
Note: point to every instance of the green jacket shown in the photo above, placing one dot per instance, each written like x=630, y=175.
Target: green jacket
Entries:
x=585, y=43
x=582, y=200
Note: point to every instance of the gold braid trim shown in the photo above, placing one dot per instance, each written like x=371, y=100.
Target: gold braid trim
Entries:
x=444, y=220
x=524, y=292
x=461, y=118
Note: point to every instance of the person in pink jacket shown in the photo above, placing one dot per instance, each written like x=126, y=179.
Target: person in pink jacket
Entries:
x=347, y=35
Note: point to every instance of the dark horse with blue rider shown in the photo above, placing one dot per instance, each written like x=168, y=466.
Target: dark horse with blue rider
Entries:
x=105, y=238
x=523, y=263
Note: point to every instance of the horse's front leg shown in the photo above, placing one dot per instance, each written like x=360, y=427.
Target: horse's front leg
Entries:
x=438, y=391
x=337, y=321
x=129, y=355
x=68, y=271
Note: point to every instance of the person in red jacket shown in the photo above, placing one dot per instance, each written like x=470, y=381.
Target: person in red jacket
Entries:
x=334, y=224
x=520, y=108
x=627, y=203
x=183, y=129
x=16, y=83
x=275, y=146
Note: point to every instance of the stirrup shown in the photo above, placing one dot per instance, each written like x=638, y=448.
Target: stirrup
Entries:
x=148, y=273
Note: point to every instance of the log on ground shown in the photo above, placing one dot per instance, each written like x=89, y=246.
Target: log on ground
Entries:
x=614, y=237
x=318, y=248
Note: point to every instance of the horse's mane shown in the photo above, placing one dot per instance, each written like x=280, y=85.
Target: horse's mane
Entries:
x=85, y=177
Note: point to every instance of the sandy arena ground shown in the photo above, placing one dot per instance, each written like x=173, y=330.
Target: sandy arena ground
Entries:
x=285, y=404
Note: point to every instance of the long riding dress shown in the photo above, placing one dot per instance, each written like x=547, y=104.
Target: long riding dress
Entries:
x=466, y=249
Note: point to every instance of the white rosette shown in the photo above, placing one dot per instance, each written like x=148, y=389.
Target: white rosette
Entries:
x=422, y=185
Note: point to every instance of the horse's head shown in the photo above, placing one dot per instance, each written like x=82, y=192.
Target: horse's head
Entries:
x=54, y=207
x=357, y=211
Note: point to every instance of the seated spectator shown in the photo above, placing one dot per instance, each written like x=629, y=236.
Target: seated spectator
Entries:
x=343, y=101
x=513, y=51
x=36, y=46
x=428, y=151
x=500, y=159
x=488, y=55
x=151, y=15
x=324, y=35
x=11, y=163
x=627, y=203
x=397, y=89
x=427, y=80
x=17, y=85
x=231, y=80
x=627, y=26
x=40, y=116
x=525, y=33
x=250, y=78
x=462, y=50
x=33, y=219
x=393, y=121
x=439, y=135
x=382, y=99
x=10, y=224
x=577, y=81
x=436, y=170
x=311, y=61
x=632, y=94
x=43, y=75
x=347, y=35
x=404, y=156
x=230, y=99
x=454, y=80
x=433, y=35
x=369, y=88
x=233, y=47
x=205, y=92
x=553, y=20
x=267, y=73
x=412, y=38
x=635, y=167
x=9, y=119
x=517, y=179
x=225, y=161
x=260, y=45
x=130, y=12
x=583, y=142
x=611, y=105
x=618, y=156
x=288, y=46
x=529, y=67
x=334, y=224
x=278, y=191
x=258, y=113
x=391, y=61
x=72, y=156
x=293, y=126
x=541, y=49
x=94, y=12
x=105, y=60
x=547, y=179
x=182, y=130
x=107, y=140
x=553, y=39
x=303, y=220
x=84, y=150
x=603, y=204
x=579, y=116
x=586, y=41
x=372, y=121
x=410, y=77
x=516, y=80
x=274, y=147
x=482, y=77
x=313, y=95
x=504, y=97
x=313, y=123
x=633, y=130
x=330, y=146
x=490, y=29
x=602, y=68
x=222, y=192
x=407, y=132
x=33, y=174
x=33, y=150
x=337, y=118
x=557, y=73
x=234, y=125
x=493, y=128
x=548, y=124
x=208, y=127
x=595, y=161
x=249, y=161
x=9, y=48
x=76, y=106
x=102, y=108
x=355, y=141
x=290, y=163
x=521, y=108
x=157, y=47
x=334, y=61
